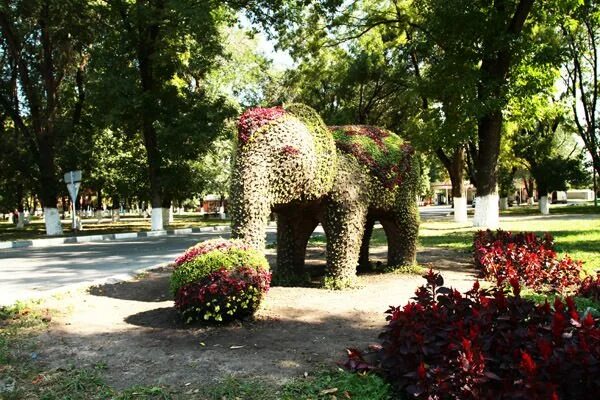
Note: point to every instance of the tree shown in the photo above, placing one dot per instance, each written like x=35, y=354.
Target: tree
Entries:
x=471, y=49
x=16, y=170
x=543, y=142
x=581, y=31
x=215, y=168
x=360, y=83
x=118, y=167
x=480, y=43
x=43, y=45
x=154, y=60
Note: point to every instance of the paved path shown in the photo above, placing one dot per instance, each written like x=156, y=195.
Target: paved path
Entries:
x=28, y=272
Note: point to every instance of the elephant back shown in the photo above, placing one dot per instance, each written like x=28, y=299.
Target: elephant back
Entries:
x=389, y=159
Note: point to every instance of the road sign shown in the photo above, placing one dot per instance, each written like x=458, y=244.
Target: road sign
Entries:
x=73, y=181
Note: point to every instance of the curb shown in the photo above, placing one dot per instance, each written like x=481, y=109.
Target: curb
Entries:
x=17, y=244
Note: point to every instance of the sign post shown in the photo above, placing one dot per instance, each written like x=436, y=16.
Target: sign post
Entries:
x=73, y=181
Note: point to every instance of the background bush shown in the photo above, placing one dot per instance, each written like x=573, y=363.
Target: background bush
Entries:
x=219, y=280
x=501, y=256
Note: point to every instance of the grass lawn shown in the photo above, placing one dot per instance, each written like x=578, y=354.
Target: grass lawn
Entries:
x=584, y=208
x=36, y=229
x=577, y=235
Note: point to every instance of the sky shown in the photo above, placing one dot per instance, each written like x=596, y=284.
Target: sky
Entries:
x=281, y=59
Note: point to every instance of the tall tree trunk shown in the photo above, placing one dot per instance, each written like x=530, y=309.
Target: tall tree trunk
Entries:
x=48, y=184
x=167, y=211
x=543, y=202
x=494, y=70
x=486, y=170
x=20, y=210
x=115, y=208
x=146, y=51
x=455, y=166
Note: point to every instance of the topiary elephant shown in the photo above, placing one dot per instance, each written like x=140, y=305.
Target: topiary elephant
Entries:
x=344, y=177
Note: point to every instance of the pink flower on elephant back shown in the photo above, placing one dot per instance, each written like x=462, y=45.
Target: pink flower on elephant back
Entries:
x=254, y=118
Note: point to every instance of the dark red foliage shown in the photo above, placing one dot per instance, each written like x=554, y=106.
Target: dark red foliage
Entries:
x=590, y=288
x=501, y=256
x=223, y=295
x=254, y=118
x=488, y=345
x=356, y=361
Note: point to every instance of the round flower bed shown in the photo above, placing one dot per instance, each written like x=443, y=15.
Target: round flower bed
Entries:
x=219, y=280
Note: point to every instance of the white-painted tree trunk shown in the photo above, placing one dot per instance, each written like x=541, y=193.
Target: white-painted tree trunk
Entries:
x=460, y=209
x=222, y=212
x=21, y=221
x=486, y=212
x=116, y=215
x=544, y=205
x=504, y=203
x=52, y=221
x=168, y=215
x=157, y=219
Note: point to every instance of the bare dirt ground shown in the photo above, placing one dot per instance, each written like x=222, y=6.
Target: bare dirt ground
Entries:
x=132, y=329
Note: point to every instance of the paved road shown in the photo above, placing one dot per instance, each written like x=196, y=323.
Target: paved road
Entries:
x=26, y=273
x=435, y=211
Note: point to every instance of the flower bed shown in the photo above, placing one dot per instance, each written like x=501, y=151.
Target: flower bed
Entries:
x=487, y=344
x=219, y=280
x=501, y=256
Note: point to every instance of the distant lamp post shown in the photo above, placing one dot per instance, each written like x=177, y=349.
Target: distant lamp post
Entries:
x=73, y=181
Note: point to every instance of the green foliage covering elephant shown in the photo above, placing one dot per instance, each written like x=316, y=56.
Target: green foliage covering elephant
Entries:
x=345, y=177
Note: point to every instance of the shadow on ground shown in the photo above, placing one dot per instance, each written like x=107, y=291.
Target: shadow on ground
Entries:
x=270, y=348
x=133, y=329
x=150, y=287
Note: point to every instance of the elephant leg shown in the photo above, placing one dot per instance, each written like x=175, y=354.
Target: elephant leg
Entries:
x=344, y=227
x=401, y=230
x=293, y=232
x=363, y=260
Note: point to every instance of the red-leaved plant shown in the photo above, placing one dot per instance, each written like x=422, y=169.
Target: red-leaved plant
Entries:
x=590, y=288
x=487, y=345
x=502, y=255
x=223, y=295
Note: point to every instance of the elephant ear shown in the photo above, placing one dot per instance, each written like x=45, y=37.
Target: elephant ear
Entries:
x=324, y=144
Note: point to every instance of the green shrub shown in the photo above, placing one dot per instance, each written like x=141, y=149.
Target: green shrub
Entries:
x=204, y=264
x=219, y=280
